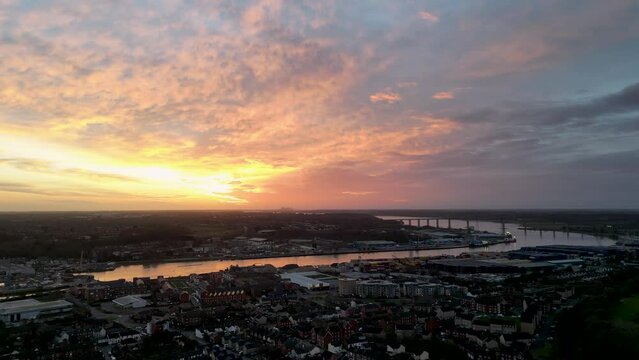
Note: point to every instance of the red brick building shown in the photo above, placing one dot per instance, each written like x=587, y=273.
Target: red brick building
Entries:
x=223, y=297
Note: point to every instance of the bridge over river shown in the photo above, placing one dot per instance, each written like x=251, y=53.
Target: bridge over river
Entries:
x=524, y=238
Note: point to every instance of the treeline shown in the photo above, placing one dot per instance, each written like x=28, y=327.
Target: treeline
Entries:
x=14, y=245
x=594, y=329
x=67, y=235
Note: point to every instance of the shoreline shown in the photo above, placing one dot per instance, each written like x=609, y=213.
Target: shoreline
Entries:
x=519, y=226
x=261, y=257
x=151, y=262
x=277, y=256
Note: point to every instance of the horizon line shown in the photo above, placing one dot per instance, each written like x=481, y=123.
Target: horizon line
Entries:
x=285, y=209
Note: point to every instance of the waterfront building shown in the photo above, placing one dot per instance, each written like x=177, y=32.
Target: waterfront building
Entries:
x=374, y=244
x=18, y=312
x=309, y=279
x=260, y=242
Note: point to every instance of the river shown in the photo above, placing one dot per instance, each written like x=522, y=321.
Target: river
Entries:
x=524, y=238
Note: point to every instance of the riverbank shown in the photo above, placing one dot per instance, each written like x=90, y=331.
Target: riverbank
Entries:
x=279, y=256
x=347, y=251
x=185, y=266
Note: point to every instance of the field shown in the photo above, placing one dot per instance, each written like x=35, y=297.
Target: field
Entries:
x=626, y=315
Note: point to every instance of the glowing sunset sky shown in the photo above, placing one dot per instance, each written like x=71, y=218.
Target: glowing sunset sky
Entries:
x=318, y=104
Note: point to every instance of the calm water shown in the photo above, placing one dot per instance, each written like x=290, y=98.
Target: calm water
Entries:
x=524, y=238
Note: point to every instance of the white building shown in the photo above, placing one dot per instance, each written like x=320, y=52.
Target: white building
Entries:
x=392, y=351
x=308, y=279
x=14, y=313
x=429, y=290
x=410, y=289
x=376, y=288
x=259, y=242
x=131, y=301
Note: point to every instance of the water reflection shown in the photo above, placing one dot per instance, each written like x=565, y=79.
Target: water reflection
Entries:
x=524, y=238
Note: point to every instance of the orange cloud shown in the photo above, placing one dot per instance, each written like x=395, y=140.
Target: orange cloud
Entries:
x=217, y=118
x=358, y=193
x=385, y=96
x=448, y=95
x=439, y=126
x=444, y=95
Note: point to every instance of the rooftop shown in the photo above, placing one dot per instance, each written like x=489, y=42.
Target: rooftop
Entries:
x=19, y=306
x=309, y=279
x=130, y=300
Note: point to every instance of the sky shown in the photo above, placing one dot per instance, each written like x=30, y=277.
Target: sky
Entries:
x=135, y=105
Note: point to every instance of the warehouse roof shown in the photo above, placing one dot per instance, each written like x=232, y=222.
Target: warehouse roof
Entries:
x=308, y=279
x=131, y=301
x=20, y=306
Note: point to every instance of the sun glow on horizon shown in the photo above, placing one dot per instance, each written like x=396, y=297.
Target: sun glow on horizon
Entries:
x=57, y=170
x=316, y=105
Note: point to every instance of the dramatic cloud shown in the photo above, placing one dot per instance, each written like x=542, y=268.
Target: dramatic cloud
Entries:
x=625, y=101
x=265, y=103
